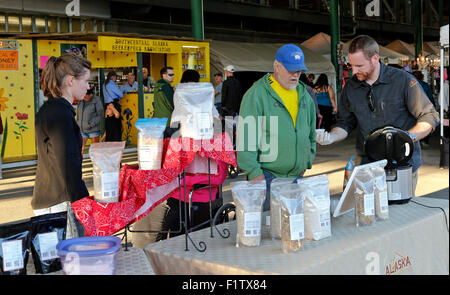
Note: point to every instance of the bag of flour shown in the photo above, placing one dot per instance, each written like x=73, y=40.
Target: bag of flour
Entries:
x=292, y=216
x=150, y=142
x=316, y=192
x=193, y=108
x=106, y=157
x=364, y=198
x=249, y=198
x=380, y=190
x=275, y=207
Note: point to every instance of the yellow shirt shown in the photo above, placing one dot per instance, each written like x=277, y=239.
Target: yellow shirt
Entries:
x=289, y=97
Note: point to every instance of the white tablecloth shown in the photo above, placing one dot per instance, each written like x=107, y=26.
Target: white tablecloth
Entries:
x=414, y=240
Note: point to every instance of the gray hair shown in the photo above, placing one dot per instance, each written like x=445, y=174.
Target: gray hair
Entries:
x=366, y=44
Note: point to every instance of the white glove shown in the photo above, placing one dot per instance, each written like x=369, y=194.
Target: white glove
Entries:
x=323, y=137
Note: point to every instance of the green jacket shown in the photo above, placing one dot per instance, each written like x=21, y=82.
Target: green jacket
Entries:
x=285, y=151
x=163, y=100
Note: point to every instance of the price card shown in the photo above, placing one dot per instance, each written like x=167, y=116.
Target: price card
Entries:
x=12, y=255
x=383, y=202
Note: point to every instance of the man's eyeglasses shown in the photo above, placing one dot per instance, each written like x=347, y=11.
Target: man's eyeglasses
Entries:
x=171, y=75
x=369, y=99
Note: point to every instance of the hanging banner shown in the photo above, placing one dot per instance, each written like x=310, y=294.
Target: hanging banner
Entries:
x=118, y=44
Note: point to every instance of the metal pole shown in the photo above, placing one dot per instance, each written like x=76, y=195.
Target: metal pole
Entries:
x=441, y=103
x=140, y=85
x=334, y=29
x=197, y=19
x=418, y=25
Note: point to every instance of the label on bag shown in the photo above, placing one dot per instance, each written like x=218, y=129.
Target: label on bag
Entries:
x=110, y=185
x=12, y=255
x=203, y=123
x=384, y=206
x=369, y=204
x=47, y=245
x=325, y=219
x=252, y=224
x=297, y=226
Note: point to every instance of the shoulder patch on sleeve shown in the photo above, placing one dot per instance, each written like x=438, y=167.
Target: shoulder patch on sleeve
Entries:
x=412, y=83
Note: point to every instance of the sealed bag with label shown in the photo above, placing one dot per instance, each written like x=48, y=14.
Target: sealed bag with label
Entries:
x=275, y=207
x=150, y=142
x=194, y=109
x=292, y=216
x=14, y=247
x=364, y=198
x=46, y=232
x=249, y=197
x=106, y=157
x=381, y=196
x=316, y=193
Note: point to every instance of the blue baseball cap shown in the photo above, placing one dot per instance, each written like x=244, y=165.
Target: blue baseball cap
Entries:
x=292, y=58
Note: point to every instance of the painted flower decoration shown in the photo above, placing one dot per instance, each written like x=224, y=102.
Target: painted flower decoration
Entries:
x=3, y=100
x=22, y=116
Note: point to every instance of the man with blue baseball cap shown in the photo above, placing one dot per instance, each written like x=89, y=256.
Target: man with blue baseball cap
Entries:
x=276, y=135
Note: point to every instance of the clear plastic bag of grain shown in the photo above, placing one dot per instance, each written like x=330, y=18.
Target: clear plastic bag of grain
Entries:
x=364, y=198
x=381, y=196
x=150, y=142
x=292, y=216
x=248, y=197
x=316, y=193
x=194, y=109
x=275, y=207
x=106, y=157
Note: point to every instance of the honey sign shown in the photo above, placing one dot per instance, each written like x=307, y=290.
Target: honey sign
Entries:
x=9, y=60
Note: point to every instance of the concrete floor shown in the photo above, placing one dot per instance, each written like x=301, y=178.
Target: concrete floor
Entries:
x=16, y=187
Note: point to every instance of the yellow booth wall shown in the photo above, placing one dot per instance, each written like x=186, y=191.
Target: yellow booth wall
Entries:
x=17, y=106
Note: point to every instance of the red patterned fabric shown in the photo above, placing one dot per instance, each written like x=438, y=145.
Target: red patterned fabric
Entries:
x=142, y=190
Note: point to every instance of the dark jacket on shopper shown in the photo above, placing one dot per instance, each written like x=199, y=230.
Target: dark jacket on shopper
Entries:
x=89, y=115
x=231, y=94
x=163, y=103
x=58, y=142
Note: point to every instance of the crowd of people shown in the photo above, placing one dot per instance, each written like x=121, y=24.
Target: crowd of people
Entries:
x=376, y=95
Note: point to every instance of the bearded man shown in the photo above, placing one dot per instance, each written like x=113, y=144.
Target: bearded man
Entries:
x=378, y=95
x=276, y=135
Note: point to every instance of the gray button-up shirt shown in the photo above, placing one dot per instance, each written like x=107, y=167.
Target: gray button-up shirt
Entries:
x=398, y=100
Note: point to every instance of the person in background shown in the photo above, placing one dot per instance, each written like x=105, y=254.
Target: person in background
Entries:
x=218, y=78
x=231, y=92
x=311, y=92
x=113, y=123
x=425, y=143
x=326, y=101
x=311, y=78
x=378, y=95
x=147, y=81
x=163, y=102
x=111, y=92
x=58, y=139
x=130, y=85
x=290, y=139
x=89, y=115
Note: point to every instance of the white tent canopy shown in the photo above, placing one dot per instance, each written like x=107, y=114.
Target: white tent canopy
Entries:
x=321, y=43
x=259, y=57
